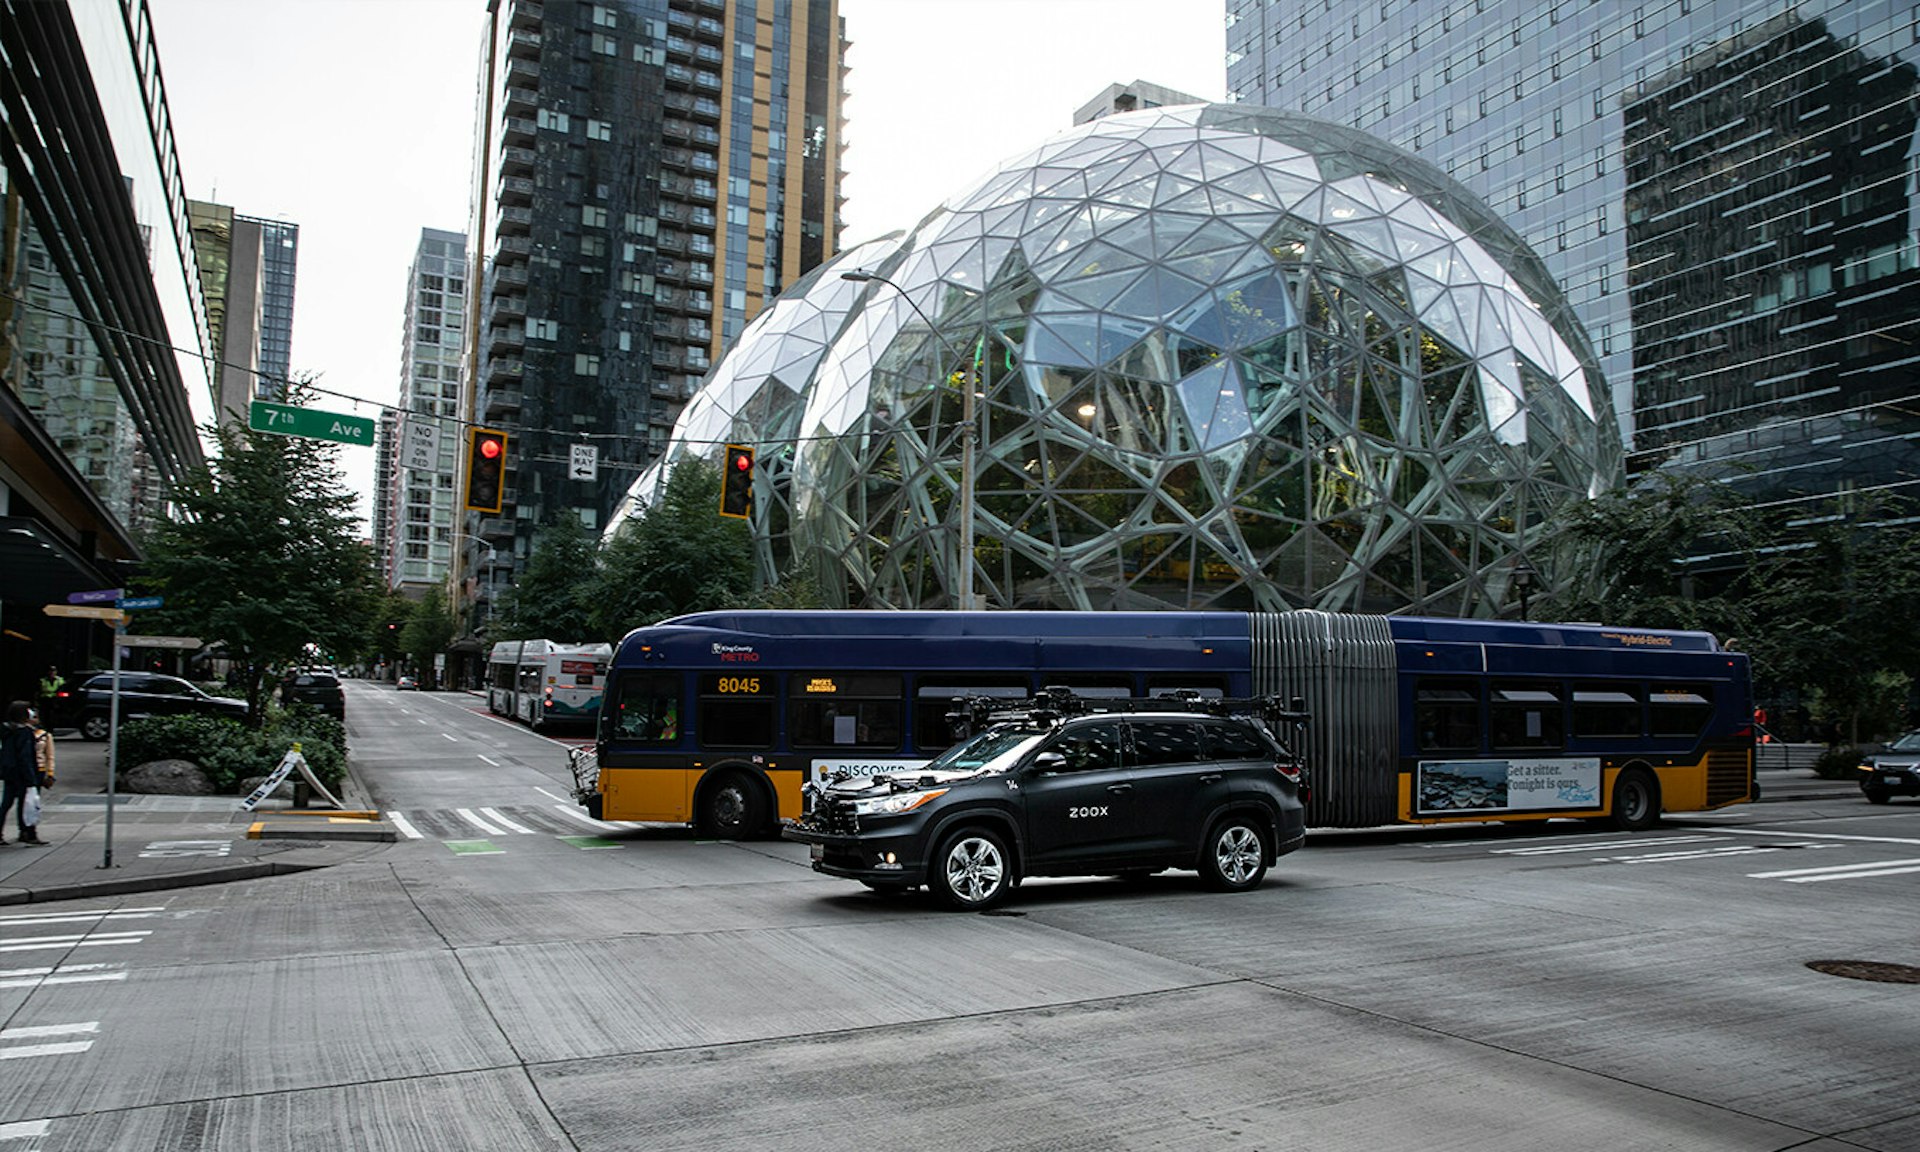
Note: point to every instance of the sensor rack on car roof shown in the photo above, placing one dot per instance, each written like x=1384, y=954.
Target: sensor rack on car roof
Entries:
x=1056, y=703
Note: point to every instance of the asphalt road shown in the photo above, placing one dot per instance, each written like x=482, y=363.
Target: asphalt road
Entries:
x=510, y=975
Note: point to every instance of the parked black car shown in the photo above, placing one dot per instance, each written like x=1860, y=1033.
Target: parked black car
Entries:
x=1161, y=784
x=319, y=687
x=1894, y=772
x=147, y=694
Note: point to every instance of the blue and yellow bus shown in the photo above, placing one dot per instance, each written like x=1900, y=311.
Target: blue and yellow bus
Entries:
x=718, y=718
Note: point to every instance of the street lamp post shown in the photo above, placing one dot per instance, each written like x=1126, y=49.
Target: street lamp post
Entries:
x=968, y=429
x=1523, y=576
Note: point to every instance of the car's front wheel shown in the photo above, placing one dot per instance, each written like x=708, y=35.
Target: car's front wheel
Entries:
x=1877, y=793
x=970, y=871
x=1235, y=858
x=95, y=726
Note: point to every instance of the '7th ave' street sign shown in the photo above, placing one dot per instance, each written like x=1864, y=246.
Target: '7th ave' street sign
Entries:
x=287, y=420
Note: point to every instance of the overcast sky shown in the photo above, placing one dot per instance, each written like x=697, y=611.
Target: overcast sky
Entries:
x=354, y=119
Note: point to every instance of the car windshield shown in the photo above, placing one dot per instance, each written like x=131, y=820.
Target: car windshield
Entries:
x=1908, y=743
x=995, y=749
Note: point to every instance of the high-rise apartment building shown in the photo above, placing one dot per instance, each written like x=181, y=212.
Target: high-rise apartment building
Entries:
x=648, y=175
x=103, y=329
x=414, y=516
x=1725, y=189
x=247, y=267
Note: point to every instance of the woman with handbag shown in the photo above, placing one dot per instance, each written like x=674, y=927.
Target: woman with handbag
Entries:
x=19, y=772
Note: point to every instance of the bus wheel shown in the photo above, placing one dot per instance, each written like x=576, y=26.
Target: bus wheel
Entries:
x=970, y=870
x=730, y=810
x=1235, y=858
x=1636, y=800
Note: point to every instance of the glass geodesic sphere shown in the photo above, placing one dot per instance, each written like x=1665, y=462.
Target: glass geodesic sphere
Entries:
x=1220, y=357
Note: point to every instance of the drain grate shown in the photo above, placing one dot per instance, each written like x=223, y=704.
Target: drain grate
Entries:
x=1868, y=970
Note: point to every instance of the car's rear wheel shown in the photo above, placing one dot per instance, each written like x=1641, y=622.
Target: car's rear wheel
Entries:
x=1636, y=800
x=95, y=726
x=1235, y=858
x=970, y=871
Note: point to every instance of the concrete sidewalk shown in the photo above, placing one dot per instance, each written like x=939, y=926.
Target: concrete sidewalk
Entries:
x=166, y=841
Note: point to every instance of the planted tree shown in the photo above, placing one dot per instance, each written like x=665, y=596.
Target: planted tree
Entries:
x=553, y=595
x=679, y=555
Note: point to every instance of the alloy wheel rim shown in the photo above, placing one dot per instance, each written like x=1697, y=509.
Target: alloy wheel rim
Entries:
x=1237, y=853
x=974, y=870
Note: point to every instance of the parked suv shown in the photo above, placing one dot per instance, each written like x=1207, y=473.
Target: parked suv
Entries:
x=148, y=694
x=1064, y=790
x=319, y=687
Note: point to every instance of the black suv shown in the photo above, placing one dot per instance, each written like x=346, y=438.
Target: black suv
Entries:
x=319, y=687
x=148, y=694
x=1061, y=789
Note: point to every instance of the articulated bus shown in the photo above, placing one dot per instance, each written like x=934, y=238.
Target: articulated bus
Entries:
x=539, y=682
x=718, y=718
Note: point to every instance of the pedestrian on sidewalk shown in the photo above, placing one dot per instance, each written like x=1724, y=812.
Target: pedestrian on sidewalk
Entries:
x=19, y=772
x=42, y=751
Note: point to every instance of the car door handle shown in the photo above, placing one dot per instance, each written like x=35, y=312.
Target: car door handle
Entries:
x=1213, y=778
x=1119, y=788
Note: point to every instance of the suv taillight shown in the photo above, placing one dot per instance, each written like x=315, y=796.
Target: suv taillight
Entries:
x=1297, y=778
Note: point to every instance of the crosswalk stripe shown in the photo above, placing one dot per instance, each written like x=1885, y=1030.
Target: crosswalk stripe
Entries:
x=45, y=1050
x=573, y=813
x=467, y=814
x=96, y=940
x=1851, y=875
x=82, y=917
x=1557, y=849
x=43, y=1031
x=25, y=1129
x=406, y=829
x=495, y=816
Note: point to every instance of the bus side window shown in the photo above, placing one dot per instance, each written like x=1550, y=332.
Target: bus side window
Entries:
x=1606, y=711
x=838, y=710
x=646, y=708
x=933, y=698
x=1525, y=716
x=1446, y=715
x=1680, y=709
x=1209, y=687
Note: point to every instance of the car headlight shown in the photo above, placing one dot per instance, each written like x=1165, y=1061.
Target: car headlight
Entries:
x=895, y=804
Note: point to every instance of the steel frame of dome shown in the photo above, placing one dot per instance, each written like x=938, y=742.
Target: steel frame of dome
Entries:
x=1223, y=357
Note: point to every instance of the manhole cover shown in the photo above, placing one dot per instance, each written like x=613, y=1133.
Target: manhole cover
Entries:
x=1868, y=970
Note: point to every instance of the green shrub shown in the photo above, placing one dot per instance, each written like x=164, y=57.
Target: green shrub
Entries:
x=229, y=751
x=1841, y=762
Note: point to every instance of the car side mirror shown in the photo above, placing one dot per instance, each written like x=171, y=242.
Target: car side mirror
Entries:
x=1049, y=762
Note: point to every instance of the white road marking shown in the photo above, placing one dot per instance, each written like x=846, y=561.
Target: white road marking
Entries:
x=509, y=825
x=43, y=1031
x=1841, y=872
x=31, y=1050
x=467, y=815
x=575, y=813
x=445, y=736
x=486, y=761
x=82, y=917
x=405, y=827
x=40, y=943
x=1555, y=849
x=1821, y=836
x=550, y=795
x=1703, y=854
x=24, y=1129
x=65, y=974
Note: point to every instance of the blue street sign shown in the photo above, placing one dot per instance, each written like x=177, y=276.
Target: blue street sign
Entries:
x=104, y=596
x=131, y=603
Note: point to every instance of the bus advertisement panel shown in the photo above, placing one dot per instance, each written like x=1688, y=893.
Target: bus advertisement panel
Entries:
x=719, y=718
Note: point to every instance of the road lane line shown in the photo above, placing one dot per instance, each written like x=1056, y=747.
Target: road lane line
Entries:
x=1851, y=875
x=404, y=825
x=1558, y=849
x=1835, y=868
x=80, y=917
x=31, y=1050
x=509, y=825
x=1821, y=836
x=484, y=760
x=1698, y=854
x=445, y=736
x=25, y=1129
x=467, y=815
x=43, y=1031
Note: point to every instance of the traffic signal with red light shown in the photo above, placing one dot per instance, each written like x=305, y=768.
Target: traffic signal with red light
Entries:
x=486, y=469
x=736, y=482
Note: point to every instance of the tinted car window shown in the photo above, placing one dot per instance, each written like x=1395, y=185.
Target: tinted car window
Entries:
x=1237, y=742
x=1089, y=748
x=1166, y=742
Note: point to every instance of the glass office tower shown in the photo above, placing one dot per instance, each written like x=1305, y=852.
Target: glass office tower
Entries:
x=1725, y=189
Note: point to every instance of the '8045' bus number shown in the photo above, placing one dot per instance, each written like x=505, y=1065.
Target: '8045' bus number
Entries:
x=739, y=685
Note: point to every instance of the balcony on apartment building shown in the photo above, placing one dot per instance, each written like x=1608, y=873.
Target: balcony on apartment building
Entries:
x=523, y=45
x=514, y=190
x=506, y=340
x=526, y=14
x=512, y=249
x=510, y=279
x=517, y=131
x=513, y=221
x=516, y=161
x=506, y=310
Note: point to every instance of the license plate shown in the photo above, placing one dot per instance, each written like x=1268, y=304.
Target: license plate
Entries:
x=817, y=851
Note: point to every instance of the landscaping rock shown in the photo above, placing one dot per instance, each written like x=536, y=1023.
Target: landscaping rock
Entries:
x=167, y=778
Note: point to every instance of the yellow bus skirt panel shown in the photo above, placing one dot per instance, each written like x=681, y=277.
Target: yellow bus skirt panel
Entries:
x=659, y=794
